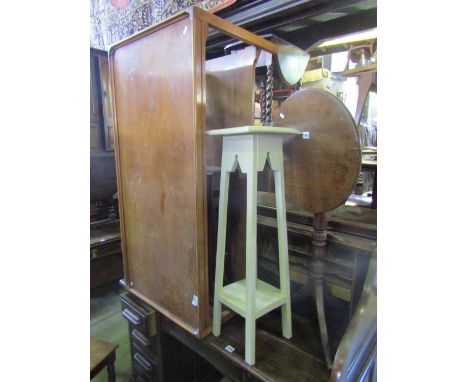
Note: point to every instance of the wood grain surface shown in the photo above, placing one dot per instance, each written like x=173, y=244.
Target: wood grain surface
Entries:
x=99, y=351
x=156, y=128
x=233, y=30
x=230, y=96
x=320, y=172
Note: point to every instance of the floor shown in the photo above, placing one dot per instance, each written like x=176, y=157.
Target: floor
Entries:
x=108, y=324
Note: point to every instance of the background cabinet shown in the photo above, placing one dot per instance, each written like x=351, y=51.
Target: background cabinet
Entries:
x=95, y=107
x=103, y=174
x=108, y=124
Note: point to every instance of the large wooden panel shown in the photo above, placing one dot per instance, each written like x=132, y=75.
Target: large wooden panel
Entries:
x=154, y=79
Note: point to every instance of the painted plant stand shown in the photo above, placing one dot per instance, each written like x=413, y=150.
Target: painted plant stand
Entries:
x=249, y=147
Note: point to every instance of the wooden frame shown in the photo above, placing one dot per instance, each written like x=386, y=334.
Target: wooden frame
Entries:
x=160, y=124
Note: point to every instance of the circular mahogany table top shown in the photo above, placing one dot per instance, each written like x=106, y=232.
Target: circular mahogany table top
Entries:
x=321, y=171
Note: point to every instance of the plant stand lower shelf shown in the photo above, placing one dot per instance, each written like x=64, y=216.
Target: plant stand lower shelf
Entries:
x=267, y=297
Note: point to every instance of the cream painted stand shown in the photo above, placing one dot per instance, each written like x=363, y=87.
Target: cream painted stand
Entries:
x=249, y=147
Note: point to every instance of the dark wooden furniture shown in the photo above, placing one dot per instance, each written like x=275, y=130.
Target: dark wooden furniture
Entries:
x=102, y=127
x=105, y=249
x=102, y=356
x=106, y=254
x=160, y=120
x=277, y=360
x=182, y=357
x=156, y=356
x=371, y=165
x=322, y=169
x=327, y=258
x=367, y=82
x=356, y=356
x=95, y=104
x=144, y=345
x=103, y=181
x=175, y=355
x=351, y=239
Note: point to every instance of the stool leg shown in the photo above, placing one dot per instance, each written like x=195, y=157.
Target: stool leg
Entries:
x=251, y=262
x=220, y=250
x=111, y=369
x=110, y=373
x=283, y=251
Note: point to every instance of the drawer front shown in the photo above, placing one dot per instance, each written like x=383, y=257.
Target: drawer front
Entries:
x=147, y=352
x=141, y=378
x=105, y=270
x=107, y=249
x=139, y=315
x=145, y=345
x=144, y=367
x=135, y=320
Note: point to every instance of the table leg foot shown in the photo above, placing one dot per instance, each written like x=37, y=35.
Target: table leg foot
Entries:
x=111, y=373
x=322, y=322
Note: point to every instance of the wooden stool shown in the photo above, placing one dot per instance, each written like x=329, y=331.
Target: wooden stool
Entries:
x=249, y=147
x=103, y=354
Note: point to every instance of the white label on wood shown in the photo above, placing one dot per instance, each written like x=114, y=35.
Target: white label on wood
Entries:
x=230, y=349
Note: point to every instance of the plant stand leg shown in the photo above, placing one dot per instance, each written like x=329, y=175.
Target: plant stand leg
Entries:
x=251, y=261
x=220, y=248
x=286, y=319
